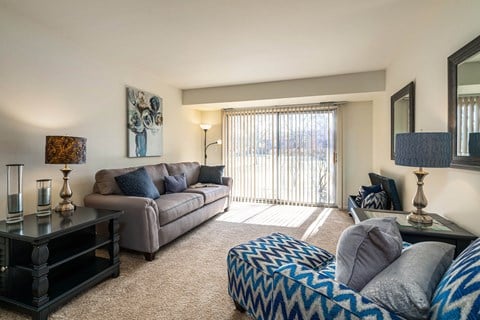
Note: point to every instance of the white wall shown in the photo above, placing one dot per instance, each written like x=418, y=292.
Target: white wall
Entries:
x=48, y=86
x=453, y=193
x=357, y=139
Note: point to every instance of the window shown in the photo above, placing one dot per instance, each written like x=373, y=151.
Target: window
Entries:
x=283, y=155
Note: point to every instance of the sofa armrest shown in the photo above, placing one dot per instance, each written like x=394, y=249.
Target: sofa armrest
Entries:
x=304, y=293
x=227, y=181
x=118, y=202
x=139, y=223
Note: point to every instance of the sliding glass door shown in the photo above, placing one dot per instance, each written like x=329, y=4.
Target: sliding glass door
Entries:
x=282, y=155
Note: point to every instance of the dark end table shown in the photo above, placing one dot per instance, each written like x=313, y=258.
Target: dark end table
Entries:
x=45, y=261
x=442, y=230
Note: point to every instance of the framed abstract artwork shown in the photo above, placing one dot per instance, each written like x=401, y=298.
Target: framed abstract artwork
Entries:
x=144, y=124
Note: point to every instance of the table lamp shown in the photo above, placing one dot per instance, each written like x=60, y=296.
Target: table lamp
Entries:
x=423, y=150
x=65, y=150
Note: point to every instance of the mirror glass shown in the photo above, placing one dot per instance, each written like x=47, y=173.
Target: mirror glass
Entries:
x=464, y=105
x=402, y=113
x=468, y=104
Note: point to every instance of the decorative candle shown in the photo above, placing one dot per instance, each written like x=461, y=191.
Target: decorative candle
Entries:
x=15, y=203
x=44, y=188
x=43, y=196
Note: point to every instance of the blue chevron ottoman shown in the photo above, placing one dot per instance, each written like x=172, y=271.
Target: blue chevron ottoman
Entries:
x=251, y=267
x=281, y=278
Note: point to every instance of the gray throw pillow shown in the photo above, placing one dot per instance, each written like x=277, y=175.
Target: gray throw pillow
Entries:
x=137, y=184
x=407, y=285
x=176, y=183
x=365, y=249
x=211, y=174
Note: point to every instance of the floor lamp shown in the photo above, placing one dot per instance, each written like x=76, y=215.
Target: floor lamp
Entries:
x=423, y=150
x=205, y=127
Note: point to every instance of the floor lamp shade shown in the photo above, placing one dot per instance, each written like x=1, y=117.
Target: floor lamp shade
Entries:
x=423, y=150
x=65, y=150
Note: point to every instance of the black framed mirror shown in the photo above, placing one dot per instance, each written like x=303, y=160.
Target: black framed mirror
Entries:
x=464, y=105
x=402, y=113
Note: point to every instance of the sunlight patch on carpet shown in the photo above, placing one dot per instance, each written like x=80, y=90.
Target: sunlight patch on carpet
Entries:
x=317, y=224
x=267, y=214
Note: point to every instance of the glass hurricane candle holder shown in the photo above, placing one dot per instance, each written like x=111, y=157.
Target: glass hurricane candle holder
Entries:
x=44, y=197
x=14, y=193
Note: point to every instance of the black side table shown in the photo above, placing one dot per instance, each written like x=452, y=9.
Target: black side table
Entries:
x=47, y=261
x=442, y=230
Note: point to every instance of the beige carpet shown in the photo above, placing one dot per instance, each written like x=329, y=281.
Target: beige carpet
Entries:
x=188, y=278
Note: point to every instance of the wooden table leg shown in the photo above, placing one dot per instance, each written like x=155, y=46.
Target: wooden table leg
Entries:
x=114, y=248
x=40, y=273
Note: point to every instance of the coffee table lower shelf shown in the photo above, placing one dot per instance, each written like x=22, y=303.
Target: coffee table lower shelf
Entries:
x=65, y=283
x=47, y=263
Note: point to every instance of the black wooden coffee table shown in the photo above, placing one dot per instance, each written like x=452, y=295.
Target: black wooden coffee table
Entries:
x=442, y=229
x=46, y=261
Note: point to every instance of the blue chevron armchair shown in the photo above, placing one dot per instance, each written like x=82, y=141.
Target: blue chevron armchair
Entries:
x=279, y=277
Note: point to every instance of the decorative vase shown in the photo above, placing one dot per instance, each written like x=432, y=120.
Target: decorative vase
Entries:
x=14, y=193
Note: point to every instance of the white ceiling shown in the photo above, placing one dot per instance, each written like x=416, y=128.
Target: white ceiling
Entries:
x=203, y=43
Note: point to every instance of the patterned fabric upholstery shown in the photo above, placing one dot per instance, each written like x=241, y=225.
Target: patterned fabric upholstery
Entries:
x=458, y=294
x=377, y=200
x=280, y=278
x=302, y=293
x=251, y=267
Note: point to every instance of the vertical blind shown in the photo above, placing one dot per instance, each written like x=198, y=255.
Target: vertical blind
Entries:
x=281, y=155
x=468, y=117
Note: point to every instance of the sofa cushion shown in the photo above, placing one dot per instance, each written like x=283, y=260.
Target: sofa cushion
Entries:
x=406, y=286
x=211, y=192
x=390, y=188
x=157, y=172
x=365, y=249
x=457, y=296
x=105, y=179
x=211, y=174
x=137, y=184
x=172, y=206
x=176, y=183
x=191, y=170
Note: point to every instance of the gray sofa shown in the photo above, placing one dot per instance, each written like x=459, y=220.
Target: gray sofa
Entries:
x=148, y=224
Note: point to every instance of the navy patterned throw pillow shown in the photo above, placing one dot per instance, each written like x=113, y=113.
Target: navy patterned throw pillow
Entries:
x=177, y=183
x=211, y=174
x=376, y=200
x=137, y=184
x=364, y=191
